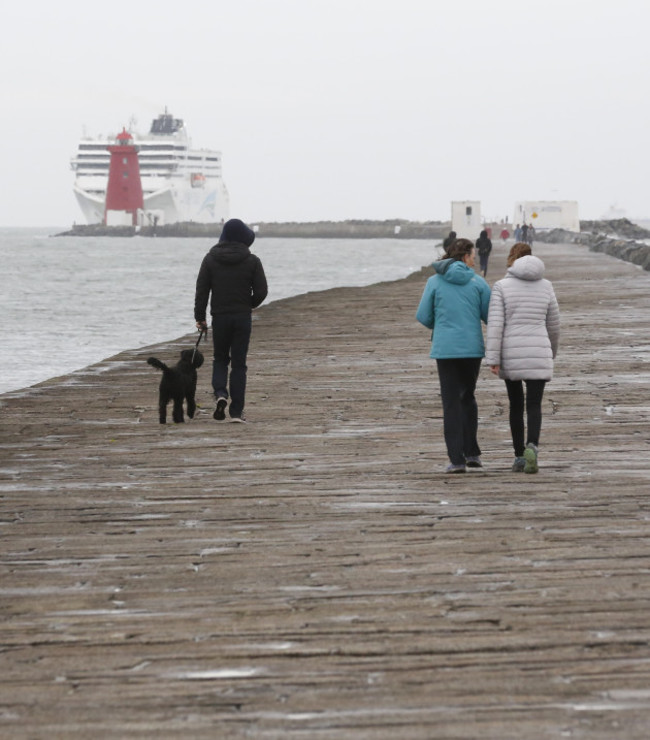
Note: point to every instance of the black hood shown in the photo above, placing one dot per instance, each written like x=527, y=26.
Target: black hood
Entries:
x=230, y=253
x=237, y=231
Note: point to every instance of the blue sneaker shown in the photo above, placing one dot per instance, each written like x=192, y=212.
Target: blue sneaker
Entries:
x=518, y=465
x=530, y=456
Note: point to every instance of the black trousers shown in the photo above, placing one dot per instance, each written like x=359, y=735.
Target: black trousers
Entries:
x=532, y=403
x=231, y=334
x=460, y=413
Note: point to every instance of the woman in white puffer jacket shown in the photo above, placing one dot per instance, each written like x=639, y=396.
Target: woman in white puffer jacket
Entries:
x=522, y=340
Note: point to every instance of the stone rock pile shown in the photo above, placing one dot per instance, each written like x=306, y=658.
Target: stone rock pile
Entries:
x=619, y=227
x=618, y=238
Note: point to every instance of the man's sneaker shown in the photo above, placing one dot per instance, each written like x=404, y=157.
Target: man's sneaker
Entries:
x=518, y=465
x=220, y=411
x=530, y=456
x=455, y=468
x=473, y=462
x=238, y=419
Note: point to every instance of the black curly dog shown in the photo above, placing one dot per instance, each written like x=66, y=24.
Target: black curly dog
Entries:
x=178, y=383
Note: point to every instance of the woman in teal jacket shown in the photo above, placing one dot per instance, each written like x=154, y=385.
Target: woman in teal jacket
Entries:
x=454, y=302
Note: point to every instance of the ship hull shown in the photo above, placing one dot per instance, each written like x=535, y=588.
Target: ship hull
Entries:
x=174, y=204
x=166, y=206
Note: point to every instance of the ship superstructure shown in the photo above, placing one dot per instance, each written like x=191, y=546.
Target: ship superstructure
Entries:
x=178, y=183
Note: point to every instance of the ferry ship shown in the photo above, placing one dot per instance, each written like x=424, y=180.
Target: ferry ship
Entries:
x=178, y=183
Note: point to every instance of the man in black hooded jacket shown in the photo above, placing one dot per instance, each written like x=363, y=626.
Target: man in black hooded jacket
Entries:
x=235, y=278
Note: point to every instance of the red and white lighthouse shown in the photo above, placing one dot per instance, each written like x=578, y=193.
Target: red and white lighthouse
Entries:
x=124, y=190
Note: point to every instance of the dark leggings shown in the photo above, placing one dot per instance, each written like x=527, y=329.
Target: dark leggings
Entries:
x=533, y=406
x=460, y=413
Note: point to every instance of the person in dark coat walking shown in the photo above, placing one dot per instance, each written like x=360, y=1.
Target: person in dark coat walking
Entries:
x=234, y=277
x=484, y=247
x=449, y=240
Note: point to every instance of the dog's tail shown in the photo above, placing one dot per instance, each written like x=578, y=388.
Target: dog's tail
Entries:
x=157, y=363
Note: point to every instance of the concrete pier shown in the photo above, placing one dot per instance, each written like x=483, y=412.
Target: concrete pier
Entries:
x=314, y=573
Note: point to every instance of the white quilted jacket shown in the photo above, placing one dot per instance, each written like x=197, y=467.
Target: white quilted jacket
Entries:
x=523, y=323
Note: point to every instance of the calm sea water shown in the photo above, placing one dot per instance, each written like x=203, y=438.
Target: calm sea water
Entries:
x=67, y=302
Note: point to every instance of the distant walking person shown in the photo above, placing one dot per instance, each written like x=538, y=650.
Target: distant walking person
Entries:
x=448, y=240
x=524, y=233
x=531, y=235
x=484, y=247
x=235, y=278
x=454, y=302
x=522, y=340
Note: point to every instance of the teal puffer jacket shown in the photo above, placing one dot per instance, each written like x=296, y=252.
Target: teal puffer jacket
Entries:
x=454, y=302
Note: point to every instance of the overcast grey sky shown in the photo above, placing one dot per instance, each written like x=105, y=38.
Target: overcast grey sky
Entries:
x=335, y=109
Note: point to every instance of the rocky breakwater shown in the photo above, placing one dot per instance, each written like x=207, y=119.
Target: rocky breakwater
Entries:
x=619, y=238
x=351, y=229
x=181, y=230
x=356, y=229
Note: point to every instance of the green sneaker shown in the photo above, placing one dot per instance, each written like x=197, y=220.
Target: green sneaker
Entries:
x=530, y=456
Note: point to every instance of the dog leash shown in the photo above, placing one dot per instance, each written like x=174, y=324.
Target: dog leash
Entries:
x=196, y=346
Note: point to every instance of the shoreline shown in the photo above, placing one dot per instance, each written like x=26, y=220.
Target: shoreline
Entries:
x=301, y=273
x=293, y=574
x=190, y=338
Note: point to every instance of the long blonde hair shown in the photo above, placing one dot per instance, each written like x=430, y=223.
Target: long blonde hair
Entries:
x=520, y=249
